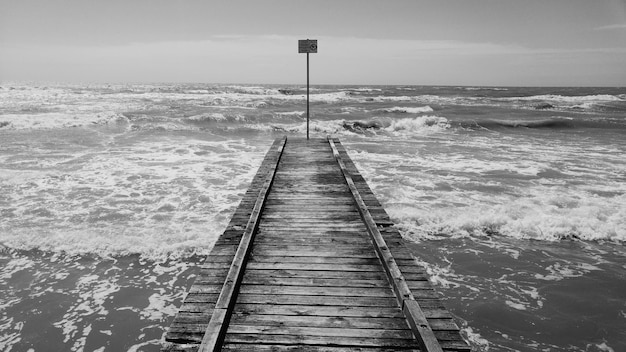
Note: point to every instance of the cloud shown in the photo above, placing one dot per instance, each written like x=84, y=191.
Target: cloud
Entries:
x=619, y=26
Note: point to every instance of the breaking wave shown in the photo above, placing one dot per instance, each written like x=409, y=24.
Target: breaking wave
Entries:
x=409, y=110
x=569, y=99
x=416, y=125
x=51, y=120
x=542, y=217
x=555, y=123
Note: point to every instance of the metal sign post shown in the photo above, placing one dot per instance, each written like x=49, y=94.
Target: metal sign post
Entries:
x=307, y=46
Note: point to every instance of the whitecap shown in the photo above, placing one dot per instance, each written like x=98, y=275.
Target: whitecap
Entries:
x=421, y=124
x=410, y=110
x=566, y=98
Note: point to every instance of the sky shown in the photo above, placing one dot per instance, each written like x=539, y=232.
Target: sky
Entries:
x=403, y=42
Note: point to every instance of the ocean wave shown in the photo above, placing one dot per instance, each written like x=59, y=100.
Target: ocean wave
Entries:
x=364, y=90
x=217, y=117
x=552, y=123
x=409, y=110
x=542, y=217
x=291, y=113
x=381, y=126
x=419, y=124
x=416, y=125
x=566, y=98
x=485, y=88
x=262, y=100
x=53, y=120
x=255, y=90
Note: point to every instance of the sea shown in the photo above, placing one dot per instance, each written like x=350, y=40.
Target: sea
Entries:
x=513, y=200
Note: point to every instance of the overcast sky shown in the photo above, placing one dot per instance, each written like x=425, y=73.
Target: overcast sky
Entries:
x=464, y=42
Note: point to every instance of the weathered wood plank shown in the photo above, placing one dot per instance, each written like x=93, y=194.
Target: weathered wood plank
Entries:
x=313, y=231
x=292, y=248
x=319, y=340
x=358, y=275
x=314, y=260
x=325, y=291
x=304, y=348
x=313, y=266
x=312, y=234
x=315, y=222
x=315, y=282
x=317, y=228
x=318, y=300
x=343, y=240
x=316, y=310
x=401, y=334
x=329, y=216
x=298, y=251
x=336, y=322
x=179, y=347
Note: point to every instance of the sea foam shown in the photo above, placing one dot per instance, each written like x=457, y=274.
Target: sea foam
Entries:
x=456, y=196
x=568, y=99
x=53, y=120
x=409, y=110
x=151, y=198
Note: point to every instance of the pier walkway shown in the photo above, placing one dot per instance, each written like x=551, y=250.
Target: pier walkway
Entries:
x=310, y=262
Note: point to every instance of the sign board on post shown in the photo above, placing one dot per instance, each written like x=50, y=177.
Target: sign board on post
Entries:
x=307, y=46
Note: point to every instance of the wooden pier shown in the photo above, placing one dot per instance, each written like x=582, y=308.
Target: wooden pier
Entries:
x=310, y=262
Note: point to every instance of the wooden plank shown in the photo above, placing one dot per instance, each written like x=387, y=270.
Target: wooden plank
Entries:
x=358, y=275
x=197, y=307
x=316, y=228
x=335, y=322
x=286, y=234
x=200, y=288
x=216, y=329
x=298, y=251
x=321, y=240
x=193, y=328
x=314, y=282
x=202, y=298
x=192, y=318
x=179, y=347
x=304, y=348
x=314, y=231
x=305, y=202
x=403, y=334
x=287, y=208
x=305, y=248
x=329, y=216
x=185, y=338
x=318, y=300
x=276, y=195
x=313, y=222
x=316, y=291
x=352, y=342
x=314, y=260
x=343, y=240
x=313, y=267
x=316, y=310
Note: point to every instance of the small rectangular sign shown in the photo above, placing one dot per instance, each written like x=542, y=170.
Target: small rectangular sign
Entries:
x=307, y=46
